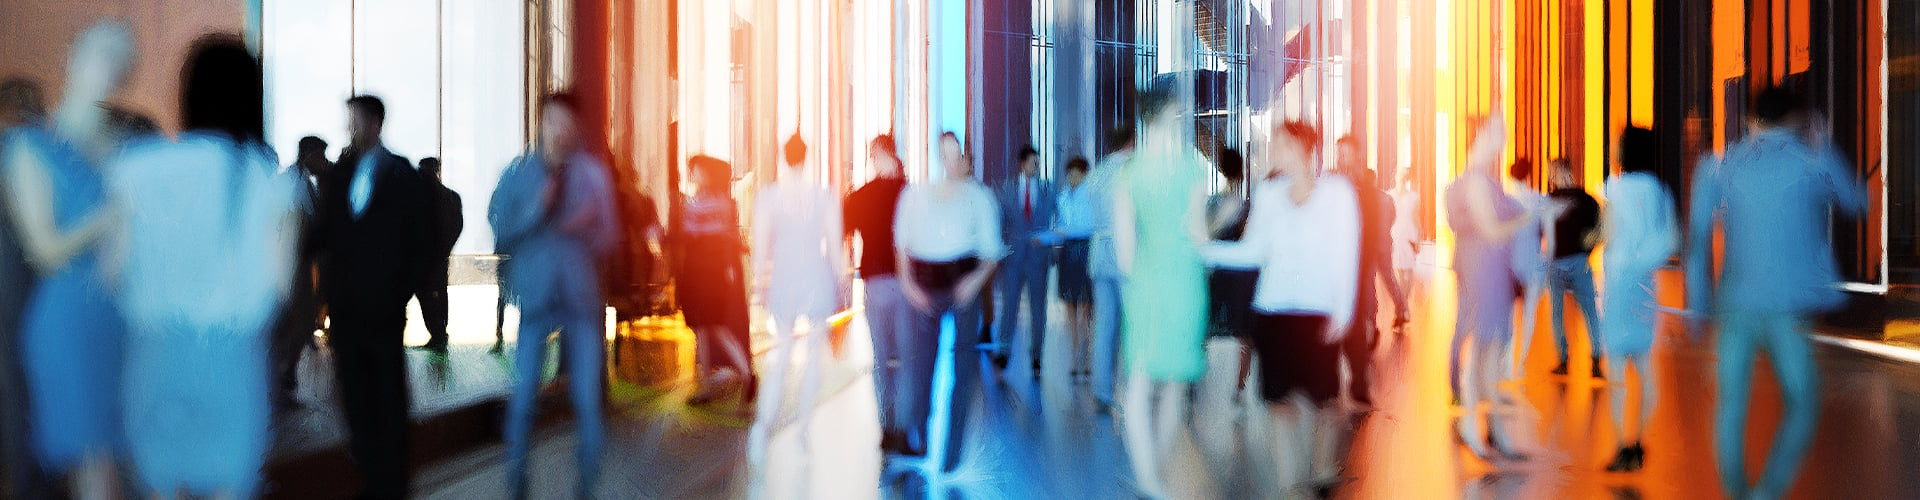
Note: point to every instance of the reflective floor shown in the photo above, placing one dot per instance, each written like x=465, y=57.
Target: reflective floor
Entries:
x=1046, y=439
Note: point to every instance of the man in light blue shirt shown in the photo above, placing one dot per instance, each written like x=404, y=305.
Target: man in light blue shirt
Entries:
x=1772, y=194
x=1103, y=266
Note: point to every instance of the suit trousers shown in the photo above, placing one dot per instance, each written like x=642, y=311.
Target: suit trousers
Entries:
x=370, y=368
x=918, y=361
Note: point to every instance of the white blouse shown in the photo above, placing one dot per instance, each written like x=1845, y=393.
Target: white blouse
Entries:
x=931, y=227
x=1308, y=254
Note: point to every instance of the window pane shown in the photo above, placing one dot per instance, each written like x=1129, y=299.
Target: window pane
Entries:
x=308, y=52
x=482, y=109
x=396, y=55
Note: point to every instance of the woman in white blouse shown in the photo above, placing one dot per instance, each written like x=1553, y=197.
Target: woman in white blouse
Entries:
x=799, y=272
x=1304, y=234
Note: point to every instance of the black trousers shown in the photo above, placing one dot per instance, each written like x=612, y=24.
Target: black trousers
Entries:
x=370, y=367
x=1357, y=348
x=433, y=308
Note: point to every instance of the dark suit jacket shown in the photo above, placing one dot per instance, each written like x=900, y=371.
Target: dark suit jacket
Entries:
x=373, y=262
x=1018, y=229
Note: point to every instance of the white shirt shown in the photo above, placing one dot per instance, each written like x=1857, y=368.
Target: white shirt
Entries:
x=796, y=244
x=1308, y=255
x=932, y=228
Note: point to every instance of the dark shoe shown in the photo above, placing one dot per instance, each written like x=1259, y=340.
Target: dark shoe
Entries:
x=1494, y=443
x=434, y=347
x=892, y=442
x=1639, y=458
x=1596, y=371
x=1622, y=461
x=1562, y=368
x=913, y=444
x=498, y=347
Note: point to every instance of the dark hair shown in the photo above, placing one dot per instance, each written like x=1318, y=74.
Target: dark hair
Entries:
x=1079, y=163
x=1638, y=150
x=1119, y=137
x=1026, y=152
x=712, y=168
x=1775, y=105
x=21, y=99
x=796, y=150
x=883, y=143
x=224, y=90
x=950, y=135
x=1303, y=133
x=1231, y=165
x=1521, y=169
x=312, y=145
x=1157, y=98
x=1348, y=140
x=371, y=106
x=430, y=167
x=1559, y=163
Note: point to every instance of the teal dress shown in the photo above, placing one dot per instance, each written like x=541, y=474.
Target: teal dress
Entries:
x=1164, y=299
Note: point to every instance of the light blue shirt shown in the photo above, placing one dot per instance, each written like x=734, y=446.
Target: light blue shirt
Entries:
x=1102, y=261
x=361, y=192
x=1074, y=217
x=1773, y=196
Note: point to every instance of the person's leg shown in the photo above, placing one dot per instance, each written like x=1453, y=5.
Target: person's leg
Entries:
x=585, y=336
x=819, y=353
x=772, y=390
x=1455, y=350
x=1037, y=279
x=1799, y=378
x=919, y=350
x=1470, y=391
x=1583, y=293
x=1355, y=349
x=1010, y=279
x=1137, y=409
x=1106, y=337
x=529, y=363
x=883, y=311
x=387, y=470
x=1557, y=288
x=349, y=343
x=500, y=319
x=1618, y=399
x=1739, y=337
x=1649, y=373
x=433, y=309
x=966, y=378
x=1515, y=360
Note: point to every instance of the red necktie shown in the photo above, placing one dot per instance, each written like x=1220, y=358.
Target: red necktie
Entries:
x=1027, y=195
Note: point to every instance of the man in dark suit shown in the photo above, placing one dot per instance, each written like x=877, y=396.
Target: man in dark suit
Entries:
x=1376, y=259
x=1026, y=209
x=378, y=239
x=444, y=209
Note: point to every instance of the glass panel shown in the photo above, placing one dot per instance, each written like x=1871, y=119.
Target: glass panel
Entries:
x=483, y=116
x=396, y=55
x=308, y=53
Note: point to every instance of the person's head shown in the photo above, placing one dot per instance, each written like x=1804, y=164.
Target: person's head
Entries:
x=953, y=155
x=1484, y=151
x=22, y=102
x=100, y=61
x=1157, y=101
x=1077, y=169
x=313, y=152
x=365, y=117
x=1521, y=170
x=1639, y=150
x=1120, y=139
x=1231, y=165
x=1775, y=108
x=710, y=175
x=223, y=90
x=885, y=156
x=795, y=151
x=1351, y=156
x=1029, y=161
x=1561, y=174
x=559, y=135
x=1293, y=148
x=430, y=169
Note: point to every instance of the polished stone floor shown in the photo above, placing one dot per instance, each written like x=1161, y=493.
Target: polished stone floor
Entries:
x=1044, y=438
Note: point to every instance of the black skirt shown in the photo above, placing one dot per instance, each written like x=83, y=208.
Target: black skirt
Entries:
x=1076, y=286
x=1294, y=359
x=1230, y=301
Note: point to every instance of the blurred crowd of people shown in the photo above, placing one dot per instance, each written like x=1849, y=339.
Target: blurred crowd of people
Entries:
x=160, y=291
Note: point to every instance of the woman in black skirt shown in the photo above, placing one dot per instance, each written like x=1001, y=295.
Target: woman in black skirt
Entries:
x=1072, y=231
x=709, y=282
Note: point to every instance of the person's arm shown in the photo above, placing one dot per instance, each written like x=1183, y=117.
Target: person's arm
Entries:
x=515, y=210
x=31, y=199
x=1705, y=208
x=903, y=232
x=832, y=230
x=1251, y=251
x=1845, y=189
x=1124, y=230
x=1480, y=207
x=1340, y=262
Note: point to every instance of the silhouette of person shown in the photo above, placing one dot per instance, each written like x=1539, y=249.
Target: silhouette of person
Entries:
x=444, y=214
x=22, y=105
x=301, y=316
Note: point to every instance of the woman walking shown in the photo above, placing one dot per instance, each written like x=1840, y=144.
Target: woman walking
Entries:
x=800, y=274
x=1641, y=233
x=710, y=283
x=1484, y=220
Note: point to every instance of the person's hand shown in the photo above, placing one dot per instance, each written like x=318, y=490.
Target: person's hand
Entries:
x=969, y=289
x=915, y=296
x=1333, y=333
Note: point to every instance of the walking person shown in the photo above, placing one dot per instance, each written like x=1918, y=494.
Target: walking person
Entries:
x=301, y=316
x=377, y=239
x=21, y=106
x=1531, y=251
x=1376, y=219
x=1229, y=307
x=1159, y=218
x=869, y=213
x=554, y=211
x=1485, y=219
x=1772, y=195
x=212, y=228
x=1303, y=232
x=1406, y=237
x=1642, y=234
x=1575, y=234
x=1103, y=266
x=1026, y=207
x=1072, y=233
x=710, y=282
x=444, y=213
x=71, y=331
x=949, y=242
x=799, y=273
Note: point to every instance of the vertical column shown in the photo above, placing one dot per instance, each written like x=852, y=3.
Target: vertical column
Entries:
x=1386, y=76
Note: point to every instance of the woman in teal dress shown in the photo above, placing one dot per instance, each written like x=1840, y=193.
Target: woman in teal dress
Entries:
x=1159, y=222
x=71, y=331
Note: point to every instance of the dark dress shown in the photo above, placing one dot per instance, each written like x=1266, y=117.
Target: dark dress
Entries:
x=710, y=281
x=1230, y=308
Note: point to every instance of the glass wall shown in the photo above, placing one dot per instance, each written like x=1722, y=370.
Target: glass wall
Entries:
x=450, y=73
